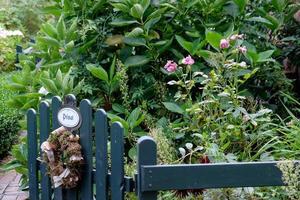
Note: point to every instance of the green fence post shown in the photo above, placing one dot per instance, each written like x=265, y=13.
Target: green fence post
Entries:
x=117, y=161
x=32, y=155
x=44, y=134
x=146, y=154
x=86, y=189
x=101, y=154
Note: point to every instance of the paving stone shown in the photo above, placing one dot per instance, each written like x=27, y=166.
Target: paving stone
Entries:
x=9, y=197
x=8, y=177
x=11, y=190
x=2, y=188
x=22, y=197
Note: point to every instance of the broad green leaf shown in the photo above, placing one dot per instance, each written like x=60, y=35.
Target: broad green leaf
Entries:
x=49, y=85
x=134, y=116
x=135, y=32
x=49, y=30
x=260, y=19
x=149, y=24
x=48, y=41
x=173, y=107
x=123, y=22
x=98, y=72
x=145, y=4
x=137, y=60
x=98, y=6
x=121, y=7
x=214, y=39
x=61, y=28
x=184, y=44
x=265, y=55
x=241, y=4
x=135, y=41
x=115, y=118
x=137, y=11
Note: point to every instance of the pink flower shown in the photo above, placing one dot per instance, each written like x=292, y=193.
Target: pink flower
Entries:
x=188, y=60
x=171, y=66
x=243, y=49
x=224, y=44
x=297, y=16
x=236, y=36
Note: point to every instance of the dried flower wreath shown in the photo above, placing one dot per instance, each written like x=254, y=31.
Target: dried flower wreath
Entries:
x=62, y=155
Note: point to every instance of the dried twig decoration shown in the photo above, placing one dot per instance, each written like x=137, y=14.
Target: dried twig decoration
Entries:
x=62, y=155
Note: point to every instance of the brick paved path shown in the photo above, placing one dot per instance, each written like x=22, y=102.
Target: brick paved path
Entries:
x=9, y=189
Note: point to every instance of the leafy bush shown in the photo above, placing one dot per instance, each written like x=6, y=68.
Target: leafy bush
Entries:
x=8, y=119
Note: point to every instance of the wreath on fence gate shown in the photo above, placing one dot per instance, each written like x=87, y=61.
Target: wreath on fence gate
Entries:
x=62, y=155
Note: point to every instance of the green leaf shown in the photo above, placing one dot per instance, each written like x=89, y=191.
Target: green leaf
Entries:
x=49, y=85
x=98, y=72
x=135, y=32
x=173, y=107
x=260, y=19
x=137, y=60
x=149, y=24
x=137, y=11
x=145, y=4
x=115, y=118
x=184, y=44
x=123, y=22
x=135, y=41
x=61, y=28
x=241, y=4
x=214, y=39
x=265, y=55
x=133, y=117
x=112, y=69
x=48, y=41
x=49, y=30
x=121, y=7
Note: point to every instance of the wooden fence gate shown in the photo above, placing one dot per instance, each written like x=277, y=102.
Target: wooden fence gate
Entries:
x=102, y=182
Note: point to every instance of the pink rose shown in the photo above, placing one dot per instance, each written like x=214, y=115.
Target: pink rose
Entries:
x=171, y=66
x=224, y=44
x=188, y=60
x=243, y=49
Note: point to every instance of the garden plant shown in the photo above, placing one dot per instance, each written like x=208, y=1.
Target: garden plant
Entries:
x=210, y=80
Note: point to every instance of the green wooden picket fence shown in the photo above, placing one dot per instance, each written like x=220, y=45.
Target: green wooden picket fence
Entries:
x=102, y=182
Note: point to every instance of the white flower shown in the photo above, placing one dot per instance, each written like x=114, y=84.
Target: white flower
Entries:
x=189, y=146
x=243, y=64
x=182, y=151
x=43, y=91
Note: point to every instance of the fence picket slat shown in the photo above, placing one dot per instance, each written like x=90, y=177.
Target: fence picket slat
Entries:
x=147, y=155
x=32, y=155
x=101, y=154
x=56, y=104
x=86, y=190
x=44, y=134
x=117, y=161
x=70, y=194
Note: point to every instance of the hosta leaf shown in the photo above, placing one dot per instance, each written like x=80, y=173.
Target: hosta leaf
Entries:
x=49, y=30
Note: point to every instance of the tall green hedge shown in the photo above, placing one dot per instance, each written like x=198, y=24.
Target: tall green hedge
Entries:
x=9, y=126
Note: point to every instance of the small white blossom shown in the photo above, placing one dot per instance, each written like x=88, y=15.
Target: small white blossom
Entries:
x=189, y=146
x=182, y=151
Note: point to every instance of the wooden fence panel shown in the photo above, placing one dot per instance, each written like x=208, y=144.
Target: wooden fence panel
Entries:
x=101, y=135
x=44, y=134
x=117, y=161
x=32, y=155
x=56, y=104
x=70, y=194
x=86, y=189
x=146, y=156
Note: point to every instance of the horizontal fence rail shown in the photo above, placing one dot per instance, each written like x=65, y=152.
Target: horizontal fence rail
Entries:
x=103, y=176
